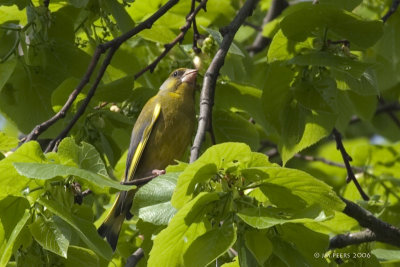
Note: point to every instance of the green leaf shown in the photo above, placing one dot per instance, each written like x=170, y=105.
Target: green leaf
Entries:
x=7, y=142
x=387, y=255
x=47, y=171
x=104, y=92
x=210, y=246
x=271, y=28
x=158, y=34
x=14, y=213
x=262, y=218
x=310, y=97
x=204, y=168
x=245, y=256
x=241, y=98
x=364, y=106
x=338, y=224
x=234, y=263
x=229, y=126
x=78, y=3
x=366, y=84
x=282, y=48
x=124, y=87
x=259, y=245
x=234, y=49
x=386, y=54
x=51, y=236
x=11, y=182
x=124, y=21
x=85, y=229
x=152, y=202
x=85, y=156
x=187, y=225
x=78, y=256
x=302, y=128
x=6, y=70
x=350, y=74
x=288, y=253
x=326, y=59
x=26, y=98
x=305, y=22
x=60, y=94
x=193, y=174
x=276, y=93
x=299, y=183
x=307, y=242
x=348, y=5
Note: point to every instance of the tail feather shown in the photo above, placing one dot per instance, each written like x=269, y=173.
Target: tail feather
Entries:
x=111, y=226
x=110, y=229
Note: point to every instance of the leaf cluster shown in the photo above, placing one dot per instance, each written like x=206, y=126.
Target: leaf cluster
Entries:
x=326, y=67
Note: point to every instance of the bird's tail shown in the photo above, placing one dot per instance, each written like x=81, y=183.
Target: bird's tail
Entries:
x=112, y=224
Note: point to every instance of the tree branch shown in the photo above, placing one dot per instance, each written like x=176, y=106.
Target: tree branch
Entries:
x=346, y=159
x=344, y=240
x=54, y=143
x=393, y=107
x=167, y=47
x=210, y=78
x=101, y=49
x=134, y=259
x=392, y=9
x=261, y=42
x=381, y=231
x=390, y=113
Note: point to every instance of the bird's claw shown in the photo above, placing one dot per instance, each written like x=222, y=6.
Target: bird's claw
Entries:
x=158, y=172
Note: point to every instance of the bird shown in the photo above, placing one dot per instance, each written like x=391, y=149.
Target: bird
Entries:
x=161, y=134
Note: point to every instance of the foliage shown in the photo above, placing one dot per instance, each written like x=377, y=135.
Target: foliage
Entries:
x=325, y=67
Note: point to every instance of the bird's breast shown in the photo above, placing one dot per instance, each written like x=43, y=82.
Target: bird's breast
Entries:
x=170, y=137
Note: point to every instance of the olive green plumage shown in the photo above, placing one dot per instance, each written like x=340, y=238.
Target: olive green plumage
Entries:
x=160, y=135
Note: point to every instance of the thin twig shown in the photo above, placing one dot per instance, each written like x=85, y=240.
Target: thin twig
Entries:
x=196, y=33
x=210, y=78
x=346, y=159
x=392, y=9
x=341, y=165
x=101, y=49
x=393, y=107
x=390, y=113
x=167, y=47
x=140, y=181
x=326, y=161
x=320, y=159
x=251, y=25
x=261, y=42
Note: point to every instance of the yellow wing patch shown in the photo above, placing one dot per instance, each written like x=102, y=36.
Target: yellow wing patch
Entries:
x=142, y=144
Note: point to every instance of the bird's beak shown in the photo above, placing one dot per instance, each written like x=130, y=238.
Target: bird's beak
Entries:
x=189, y=76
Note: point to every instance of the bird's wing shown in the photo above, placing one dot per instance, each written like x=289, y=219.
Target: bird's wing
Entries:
x=139, y=140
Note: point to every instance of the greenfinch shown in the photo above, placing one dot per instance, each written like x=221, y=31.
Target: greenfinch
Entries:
x=160, y=135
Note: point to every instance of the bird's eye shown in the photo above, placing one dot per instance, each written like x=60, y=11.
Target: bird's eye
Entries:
x=175, y=74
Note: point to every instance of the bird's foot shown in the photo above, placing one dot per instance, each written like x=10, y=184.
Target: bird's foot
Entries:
x=158, y=172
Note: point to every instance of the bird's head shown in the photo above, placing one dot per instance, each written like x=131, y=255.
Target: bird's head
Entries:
x=182, y=76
